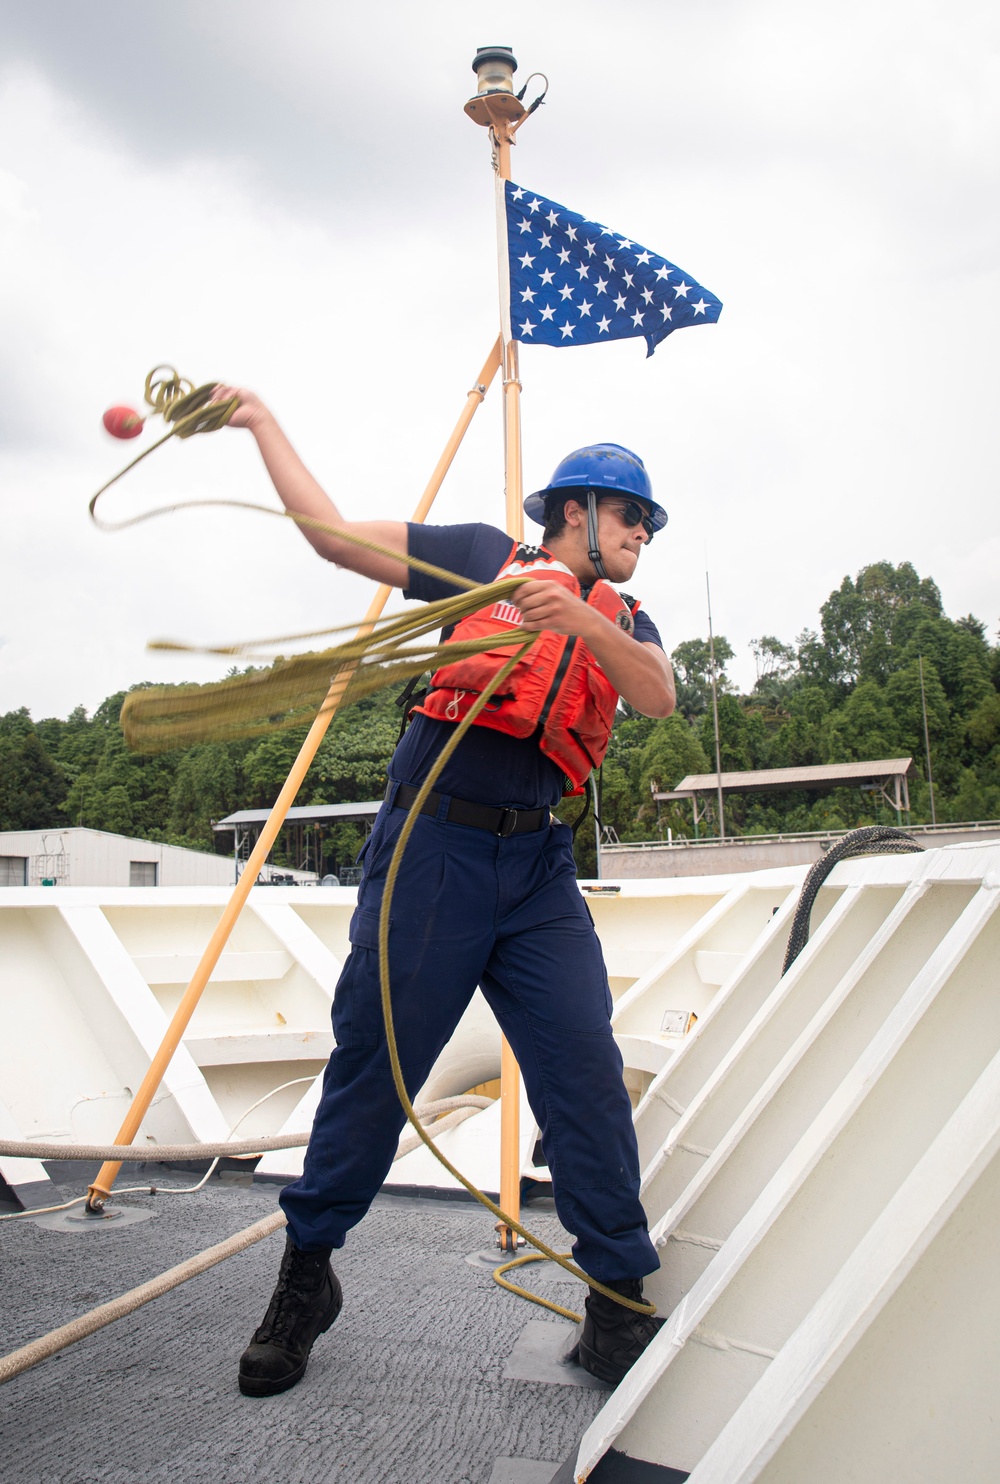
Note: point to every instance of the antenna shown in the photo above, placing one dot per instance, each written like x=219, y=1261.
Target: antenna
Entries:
x=715, y=711
x=927, y=739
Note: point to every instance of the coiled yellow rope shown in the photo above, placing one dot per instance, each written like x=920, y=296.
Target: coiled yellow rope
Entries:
x=177, y=401
x=291, y=691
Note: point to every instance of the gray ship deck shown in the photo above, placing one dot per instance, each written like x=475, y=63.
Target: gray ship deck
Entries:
x=410, y=1385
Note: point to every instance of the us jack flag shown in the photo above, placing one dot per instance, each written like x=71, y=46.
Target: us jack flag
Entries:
x=575, y=282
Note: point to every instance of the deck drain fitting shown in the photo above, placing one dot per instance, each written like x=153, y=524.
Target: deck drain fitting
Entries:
x=75, y=1223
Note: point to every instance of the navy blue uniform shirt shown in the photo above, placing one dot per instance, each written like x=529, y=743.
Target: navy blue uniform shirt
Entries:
x=488, y=767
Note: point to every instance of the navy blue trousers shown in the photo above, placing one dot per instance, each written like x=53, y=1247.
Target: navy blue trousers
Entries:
x=472, y=909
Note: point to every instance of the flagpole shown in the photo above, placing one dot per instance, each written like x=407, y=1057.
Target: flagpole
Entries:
x=510, y=1072
x=513, y=479
x=496, y=107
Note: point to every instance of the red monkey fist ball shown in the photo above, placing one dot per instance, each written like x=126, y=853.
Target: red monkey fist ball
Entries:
x=123, y=422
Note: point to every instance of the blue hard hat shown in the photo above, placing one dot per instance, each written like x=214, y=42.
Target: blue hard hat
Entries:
x=599, y=466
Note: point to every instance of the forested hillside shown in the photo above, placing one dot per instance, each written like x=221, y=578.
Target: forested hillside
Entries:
x=850, y=690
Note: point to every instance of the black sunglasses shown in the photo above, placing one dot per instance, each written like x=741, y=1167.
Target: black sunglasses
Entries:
x=634, y=515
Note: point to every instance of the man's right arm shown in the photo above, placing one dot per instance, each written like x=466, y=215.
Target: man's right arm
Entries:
x=302, y=495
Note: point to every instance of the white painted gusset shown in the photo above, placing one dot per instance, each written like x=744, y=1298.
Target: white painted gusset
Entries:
x=766, y=1130
x=81, y=1027
x=759, y=1060
x=678, y=1098
x=27, y=1178
x=672, y=981
x=645, y=1037
x=640, y=924
x=137, y=1021
x=323, y=966
x=308, y=950
x=689, y=976
x=178, y=968
x=241, y=1048
x=898, y=1358
x=714, y=968
x=54, y=1071
x=826, y=1195
x=325, y=913
x=732, y=1009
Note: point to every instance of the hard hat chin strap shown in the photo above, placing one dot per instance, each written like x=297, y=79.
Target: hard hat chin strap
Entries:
x=593, y=549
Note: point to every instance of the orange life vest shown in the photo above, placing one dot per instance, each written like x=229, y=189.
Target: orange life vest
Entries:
x=558, y=690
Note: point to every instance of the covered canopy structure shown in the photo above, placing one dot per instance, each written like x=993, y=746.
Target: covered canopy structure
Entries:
x=888, y=777
x=306, y=825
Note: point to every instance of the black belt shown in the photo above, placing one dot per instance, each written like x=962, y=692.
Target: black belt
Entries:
x=502, y=822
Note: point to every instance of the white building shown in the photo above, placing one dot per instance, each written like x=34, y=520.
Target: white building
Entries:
x=78, y=857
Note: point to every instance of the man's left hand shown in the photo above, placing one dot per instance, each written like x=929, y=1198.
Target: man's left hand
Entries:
x=548, y=605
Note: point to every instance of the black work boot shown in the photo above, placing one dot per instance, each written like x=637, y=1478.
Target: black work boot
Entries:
x=614, y=1337
x=305, y=1302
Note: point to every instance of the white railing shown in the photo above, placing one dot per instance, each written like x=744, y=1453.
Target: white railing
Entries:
x=986, y=826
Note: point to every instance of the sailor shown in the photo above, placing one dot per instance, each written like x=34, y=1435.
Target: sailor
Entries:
x=487, y=893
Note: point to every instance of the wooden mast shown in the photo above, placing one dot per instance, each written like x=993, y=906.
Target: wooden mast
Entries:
x=497, y=108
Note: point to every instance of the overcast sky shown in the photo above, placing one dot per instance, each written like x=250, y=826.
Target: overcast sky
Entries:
x=290, y=197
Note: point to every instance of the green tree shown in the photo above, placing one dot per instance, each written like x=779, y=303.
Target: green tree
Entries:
x=206, y=786
x=32, y=786
x=735, y=736
x=267, y=765
x=800, y=741
x=863, y=728
x=113, y=811
x=777, y=668
x=352, y=764
x=674, y=750
x=863, y=619
x=983, y=726
x=692, y=662
x=121, y=791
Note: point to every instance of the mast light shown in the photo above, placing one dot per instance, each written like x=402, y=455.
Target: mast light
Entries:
x=495, y=100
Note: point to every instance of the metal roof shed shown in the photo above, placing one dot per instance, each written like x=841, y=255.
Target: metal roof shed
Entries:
x=301, y=820
x=886, y=776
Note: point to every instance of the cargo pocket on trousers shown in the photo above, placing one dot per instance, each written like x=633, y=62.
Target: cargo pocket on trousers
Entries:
x=357, y=1004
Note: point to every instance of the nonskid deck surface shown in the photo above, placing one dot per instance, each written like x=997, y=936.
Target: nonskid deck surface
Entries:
x=407, y=1386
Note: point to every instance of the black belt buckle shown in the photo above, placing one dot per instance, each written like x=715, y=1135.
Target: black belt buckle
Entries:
x=507, y=823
